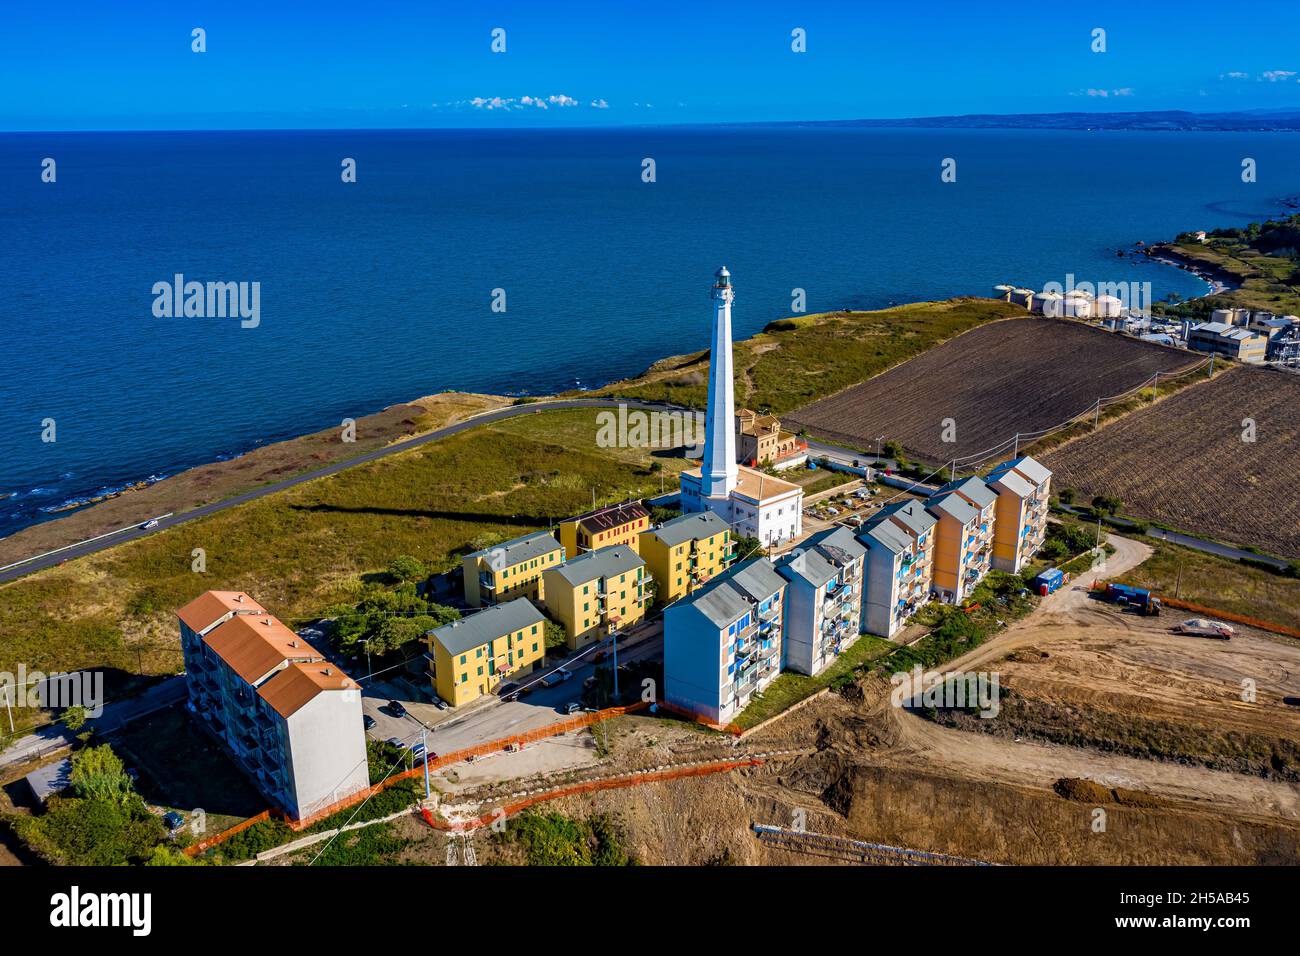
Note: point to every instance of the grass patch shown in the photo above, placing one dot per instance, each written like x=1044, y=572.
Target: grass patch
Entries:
x=553, y=839
x=789, y=688
x=1230, y=585
x=797, y=360
x=306, y=548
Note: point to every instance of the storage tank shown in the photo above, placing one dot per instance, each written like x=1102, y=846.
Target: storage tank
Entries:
x=1023, y=297
x=1107, y=307
x=1050, y=304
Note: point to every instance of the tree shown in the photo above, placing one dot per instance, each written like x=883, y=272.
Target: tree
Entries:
x=1106, y=505
x=1066, y=495
x=748, y=547
x=74, y=717
x=405, y=568
x=98, y=774
x=891, y=449
x=555, y=636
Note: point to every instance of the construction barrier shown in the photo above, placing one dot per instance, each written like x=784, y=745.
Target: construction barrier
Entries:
x=436, y=763
x=589, y=786
x=1215, y=613
x=1230, y=616
x=203, y=845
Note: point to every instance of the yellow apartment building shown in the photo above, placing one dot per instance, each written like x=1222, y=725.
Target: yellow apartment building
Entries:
x=470, y=657
x=604, y=528
x=510, y=570
x=1023, y=487
x=957, y=563
x=597, y=592
x=683, y=553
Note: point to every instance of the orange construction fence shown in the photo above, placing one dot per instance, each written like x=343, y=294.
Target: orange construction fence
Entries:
x=197, y=848
x=589, y=786
x=1215, y=612
x=437, y=763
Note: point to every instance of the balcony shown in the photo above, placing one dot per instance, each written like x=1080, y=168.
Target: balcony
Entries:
x=770, y=614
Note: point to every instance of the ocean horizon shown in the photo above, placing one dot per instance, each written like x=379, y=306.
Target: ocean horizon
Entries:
x=381, y=291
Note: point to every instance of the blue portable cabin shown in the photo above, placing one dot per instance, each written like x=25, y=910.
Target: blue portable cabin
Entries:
x=1048, y=581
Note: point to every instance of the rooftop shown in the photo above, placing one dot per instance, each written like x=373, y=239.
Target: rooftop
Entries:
x=255, y=645
x=612, y=516
x=211, y=606
x=889, y=536
x=1013, y=481
x=526, y=548
x=690, y=527
x=754, y=485
x=911, y=514
x=299, y=683
x=972, y=489
x=479, y=628
x=733, y=592
x=601, y=563
x=1029, y=467
x=954, y=505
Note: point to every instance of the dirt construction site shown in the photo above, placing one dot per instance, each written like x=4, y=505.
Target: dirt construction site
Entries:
x=1117, y=741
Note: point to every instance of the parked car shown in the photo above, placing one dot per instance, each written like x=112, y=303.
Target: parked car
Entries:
x=396, y=708
x=572, y=707
x=367, y=722
x=418, y=750
x=507, y=690
x=173, y=821
x=439, y=702
x=151, y=523
x=562, y=675
x=599, y=656
x=397, y=742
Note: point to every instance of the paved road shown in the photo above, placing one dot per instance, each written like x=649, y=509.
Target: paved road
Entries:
x=494, y=718
x=484, y=418
x=116, y=714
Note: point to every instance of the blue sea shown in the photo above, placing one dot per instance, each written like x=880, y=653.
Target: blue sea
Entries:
x=381, y=290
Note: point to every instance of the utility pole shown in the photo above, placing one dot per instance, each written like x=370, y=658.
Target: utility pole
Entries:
x=9, y=707
x=424, y=744
x=1096, y=415
x=615, y=642
x=1178, y=581
x=1016, y=448
x=1211, y=375
x=879, y=439
x=1155, y=387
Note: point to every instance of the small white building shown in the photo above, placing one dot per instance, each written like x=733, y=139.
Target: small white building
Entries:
x=823, y=605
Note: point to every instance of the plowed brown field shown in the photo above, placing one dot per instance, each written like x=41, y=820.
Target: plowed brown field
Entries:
x=1018, y=375
x=1184, y=462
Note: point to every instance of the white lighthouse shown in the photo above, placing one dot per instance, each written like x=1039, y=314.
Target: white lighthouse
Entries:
x=753, y=503
x=718, y=469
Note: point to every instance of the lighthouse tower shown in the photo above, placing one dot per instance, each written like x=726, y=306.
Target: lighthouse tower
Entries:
x=718, y=471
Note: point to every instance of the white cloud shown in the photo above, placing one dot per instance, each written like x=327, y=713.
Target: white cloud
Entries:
x=561, y=100
x=1274, y=75
x=1234, y=75
x=599, y=105
x=1122, y=91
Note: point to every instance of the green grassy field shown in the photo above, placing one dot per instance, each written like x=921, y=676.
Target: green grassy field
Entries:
x=300, y=550
x=1218, y=583
x=797, y=360
x=1262, y=277
x=789, y=688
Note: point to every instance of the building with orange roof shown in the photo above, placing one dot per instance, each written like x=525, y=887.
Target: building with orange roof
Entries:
x=290, y=718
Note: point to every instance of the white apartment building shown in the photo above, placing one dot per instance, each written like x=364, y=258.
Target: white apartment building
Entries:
x=823, y=604
x=722, y=644
x=290, y=719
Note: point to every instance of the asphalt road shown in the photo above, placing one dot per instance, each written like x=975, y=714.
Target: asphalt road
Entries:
x=130, y=534
x=492, y=718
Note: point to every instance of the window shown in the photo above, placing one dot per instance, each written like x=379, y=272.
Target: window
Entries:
x=480, y=670
x=534, y=647
x=464, y=658
x=478, y=652
x=534, y=628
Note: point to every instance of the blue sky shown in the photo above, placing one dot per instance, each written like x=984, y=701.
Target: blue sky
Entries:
x=87, y=64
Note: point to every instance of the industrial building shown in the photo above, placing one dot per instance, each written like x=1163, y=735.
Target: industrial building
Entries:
x=1231, y=341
